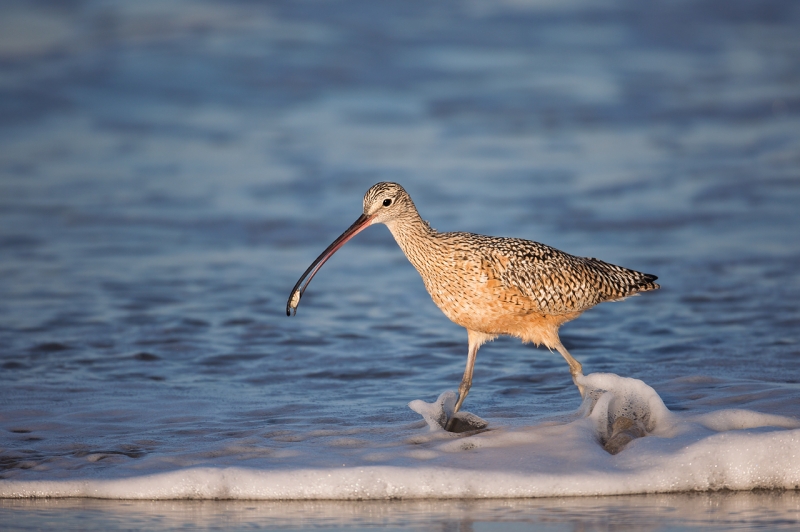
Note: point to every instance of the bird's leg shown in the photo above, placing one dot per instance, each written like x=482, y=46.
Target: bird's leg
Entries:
x=475, y=341
x=575, y=367
x=466, y=380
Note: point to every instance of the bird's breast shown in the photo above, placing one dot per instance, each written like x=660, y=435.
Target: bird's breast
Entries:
x=468, y=290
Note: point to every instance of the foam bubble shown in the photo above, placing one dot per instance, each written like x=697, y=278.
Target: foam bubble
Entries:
x=438, y=413
x=728, y=449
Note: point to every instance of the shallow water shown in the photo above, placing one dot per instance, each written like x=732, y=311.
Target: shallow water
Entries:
x=768, y=510
x=169, y=169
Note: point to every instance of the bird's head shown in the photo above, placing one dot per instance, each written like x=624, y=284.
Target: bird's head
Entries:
x=383, y=203
x=386, y=202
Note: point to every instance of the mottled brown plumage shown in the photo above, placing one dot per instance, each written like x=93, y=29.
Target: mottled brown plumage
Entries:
x=491, y=285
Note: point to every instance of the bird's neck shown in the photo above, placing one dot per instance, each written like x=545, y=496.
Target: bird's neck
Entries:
x=414, y=236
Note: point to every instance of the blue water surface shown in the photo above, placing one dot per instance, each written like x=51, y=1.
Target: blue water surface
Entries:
x=169, y=169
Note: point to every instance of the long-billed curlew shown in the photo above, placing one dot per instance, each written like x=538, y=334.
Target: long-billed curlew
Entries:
x=490, y=285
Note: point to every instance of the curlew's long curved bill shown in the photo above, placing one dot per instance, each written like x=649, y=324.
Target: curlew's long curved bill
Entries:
x=297, y=292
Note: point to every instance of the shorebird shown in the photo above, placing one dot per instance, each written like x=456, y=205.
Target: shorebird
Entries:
x=490, y=285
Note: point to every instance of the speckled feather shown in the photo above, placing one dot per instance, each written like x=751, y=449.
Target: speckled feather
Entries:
x=498, y=285
x=490, y=285
x=549, y=280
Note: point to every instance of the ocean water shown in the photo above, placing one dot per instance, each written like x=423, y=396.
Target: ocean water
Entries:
x=169, y=169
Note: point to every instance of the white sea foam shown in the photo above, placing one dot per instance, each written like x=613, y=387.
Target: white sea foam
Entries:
x=727, y=449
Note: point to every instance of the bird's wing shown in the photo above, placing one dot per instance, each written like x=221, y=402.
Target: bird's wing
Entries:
x=555, y=282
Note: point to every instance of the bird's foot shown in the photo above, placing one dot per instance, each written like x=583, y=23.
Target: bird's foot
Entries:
x=440, y=416
x=578, y=378
x=465, y=422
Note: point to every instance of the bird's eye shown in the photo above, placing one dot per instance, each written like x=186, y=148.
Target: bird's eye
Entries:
x=387, y=202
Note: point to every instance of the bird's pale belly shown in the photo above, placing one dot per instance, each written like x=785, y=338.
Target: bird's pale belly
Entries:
x=487, y=308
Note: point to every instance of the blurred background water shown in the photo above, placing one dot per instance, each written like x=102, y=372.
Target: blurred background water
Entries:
x=169, y=169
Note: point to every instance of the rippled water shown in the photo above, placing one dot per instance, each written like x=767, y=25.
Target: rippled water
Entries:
x=688, y=511
x=169, y=169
